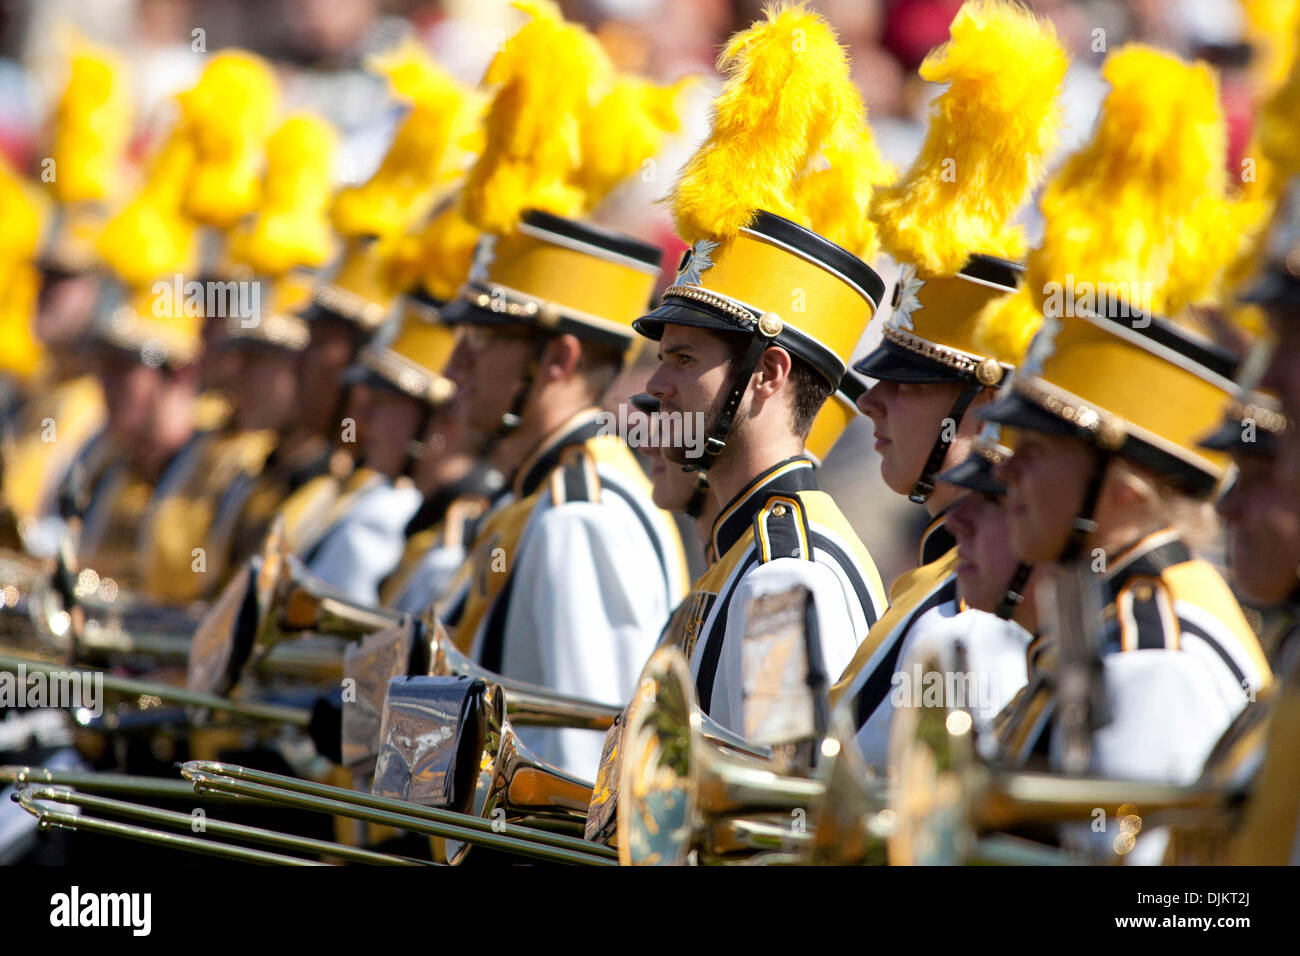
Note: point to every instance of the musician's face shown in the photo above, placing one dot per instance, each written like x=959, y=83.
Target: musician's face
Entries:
x=692, y=379
x=985, y=561
x=1263, y=529
x=908, y=419
x=1046, y=482
x=1283, y=377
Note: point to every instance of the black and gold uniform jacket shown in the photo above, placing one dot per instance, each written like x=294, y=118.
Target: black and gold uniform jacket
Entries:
x=780, y=532
x=437, y=537
x=169, y=541
x=863, y=689
x=569, y=579
x=1179, y=663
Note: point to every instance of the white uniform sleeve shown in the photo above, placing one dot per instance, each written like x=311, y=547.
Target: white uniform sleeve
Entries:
x=431, y=575
x=587, y=605
x=835, y=628
x=873, y=735
x=1167, y=710
x=995, y=669
x=368, y=543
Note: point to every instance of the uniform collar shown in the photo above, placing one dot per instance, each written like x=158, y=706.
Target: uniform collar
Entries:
x=792, y=475
x=936, y=540
x=1148, y=557
x=482, y=482
x=582, y=427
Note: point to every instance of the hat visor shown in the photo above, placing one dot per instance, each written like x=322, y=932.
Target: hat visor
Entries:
x=679, y=313
x=974, y=474
x=1274, y=287
x=1016, y=411
x=645, y=402
x=1230, y=438
x=890, y=362
x=360, y=375
x=460, y=311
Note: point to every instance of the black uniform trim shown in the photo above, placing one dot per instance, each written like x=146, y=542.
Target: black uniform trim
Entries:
x=1218, y=648
x=530, y=480
x=823, y=543
x=738, y=515
x=876, y=689
x=713, y=641
x=782, y=523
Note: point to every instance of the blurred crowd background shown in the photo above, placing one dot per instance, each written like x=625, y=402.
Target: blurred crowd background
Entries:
x=319, y=48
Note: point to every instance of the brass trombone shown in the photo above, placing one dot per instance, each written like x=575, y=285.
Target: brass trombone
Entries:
x=33, y=800
x=208, y=776
x=950, y=803
x=680, y=782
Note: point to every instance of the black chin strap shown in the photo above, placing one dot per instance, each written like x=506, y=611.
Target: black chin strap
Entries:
x=1085, y=523
x=924, y=486
x=511, y=419
x=718, y=430
x=1014, y=595
x=415, y=447
x=699, y=495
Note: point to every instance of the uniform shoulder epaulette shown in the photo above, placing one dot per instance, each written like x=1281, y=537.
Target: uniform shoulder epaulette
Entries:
x=781, y=529
x=1144, y=615
x=575, y=478
x=462, y=519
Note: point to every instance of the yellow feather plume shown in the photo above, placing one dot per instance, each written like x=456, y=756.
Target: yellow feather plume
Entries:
x=990, y=133
x=1271, y=29
x=788, y=104
x=429, y=137
x=21, y=218
x=833, y=201
x=91, y=125
x=532, y=151
x=1279, y=120
x=292, y=228
x=1145, y=200
x=625, y=130
x=444, y=251
x=151, y=237
x=1006, y=324
x=228, y=115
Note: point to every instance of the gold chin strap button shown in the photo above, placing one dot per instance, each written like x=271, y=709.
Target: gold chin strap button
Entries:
x=778, y=511
x=988, y=372
x=770, y=324
x=1110, y=435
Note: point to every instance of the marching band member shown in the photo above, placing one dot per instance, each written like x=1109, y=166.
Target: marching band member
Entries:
x=1104, y=470
x=573, y=572
x=457, y=485
x=1261, y=512
x=280, y=251
x=998, y=615
x=1261, y=518
x=737, y=352
x=948, y=223
x=353, y=523
x=65, y=406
